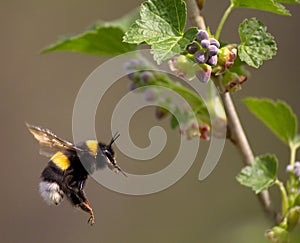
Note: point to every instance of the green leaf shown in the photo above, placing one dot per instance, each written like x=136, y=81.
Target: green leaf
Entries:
x=104, y=38
x=296, y=141
x=289, y=1
x=256, y=44
x=266, y=5
x=261, y=174
x=161, y=26
x=278, y=116
x=174, y=122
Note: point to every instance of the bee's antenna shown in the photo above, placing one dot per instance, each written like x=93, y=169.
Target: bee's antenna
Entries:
x=114, y=138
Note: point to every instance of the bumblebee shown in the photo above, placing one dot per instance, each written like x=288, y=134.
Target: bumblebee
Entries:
x=65, y=174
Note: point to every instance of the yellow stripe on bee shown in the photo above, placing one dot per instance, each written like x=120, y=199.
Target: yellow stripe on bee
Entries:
x=61, y=160
x=93, y=147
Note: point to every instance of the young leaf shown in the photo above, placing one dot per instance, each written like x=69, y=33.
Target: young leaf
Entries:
x=104, y=38
x=161, y=25
x=257, y=45
x=266, y=5
x=278, y=116
x=261, y=174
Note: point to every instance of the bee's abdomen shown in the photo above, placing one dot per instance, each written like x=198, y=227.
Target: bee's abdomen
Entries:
x=61, y=160
x=51, y=192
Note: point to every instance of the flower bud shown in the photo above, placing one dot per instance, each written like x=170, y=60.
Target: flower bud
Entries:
x=202, y=35
x=203, y=74
x=226, y=57
x=277, y=234
x=182, y=66
x=293, y=217
x=132, y=86
x=192, y=131
x=234, y=82
x=150, y=94
x=205, y=43
x=192, y=48
x=214, y=42
x=147, y=77
x=297, y=172
x=212, y=61
x=135, y=64
x=203, y=131
x=200, y=57
x=290, y=168
x=212, y=50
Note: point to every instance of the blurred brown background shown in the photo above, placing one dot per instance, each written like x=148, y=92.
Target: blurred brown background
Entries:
x=41, y=90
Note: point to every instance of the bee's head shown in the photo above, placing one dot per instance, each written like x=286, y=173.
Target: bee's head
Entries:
x=109, y=153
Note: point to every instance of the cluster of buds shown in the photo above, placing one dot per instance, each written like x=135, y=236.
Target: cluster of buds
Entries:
x=227, y=55
x=203, y=58
x=139, y=74
x=294, y=169
x=204, y=50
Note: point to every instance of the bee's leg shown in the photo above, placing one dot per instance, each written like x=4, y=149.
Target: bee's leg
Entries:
x=86, y=206
x=78, y=199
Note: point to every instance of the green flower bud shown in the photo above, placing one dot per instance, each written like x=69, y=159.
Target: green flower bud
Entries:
x=293, y=217
x=226, y=57
x=182, y=66
x=277, y=234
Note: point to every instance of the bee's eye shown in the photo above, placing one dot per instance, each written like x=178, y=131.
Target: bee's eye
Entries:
x=108, y=154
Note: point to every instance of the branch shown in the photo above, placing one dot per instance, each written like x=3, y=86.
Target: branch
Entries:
x=194, y=11
x=237, y=134
x=239, y=139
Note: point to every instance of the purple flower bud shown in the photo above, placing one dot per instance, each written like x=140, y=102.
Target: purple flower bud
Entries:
x=150, y=95
x=212, y=50
x=132, y=86
x=214, y=42
x=205, y=43
x=192, y=48
x=297, y=164
x=203, y=74
x=289, y=168
x=147, y=77
x=134, y=64
x=131, y=76
x=297, y=172
x=212, y=61
x=202, y=35
x=200, y=57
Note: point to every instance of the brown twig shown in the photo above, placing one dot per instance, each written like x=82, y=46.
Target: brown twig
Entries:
x=236, y=132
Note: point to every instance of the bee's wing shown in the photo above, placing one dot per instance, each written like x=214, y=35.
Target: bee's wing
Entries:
x=49, y=142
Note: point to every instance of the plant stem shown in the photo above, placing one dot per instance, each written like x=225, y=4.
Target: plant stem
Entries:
x=293, y=150
x=237, y=134
x=285, y=202
x=225, y=16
